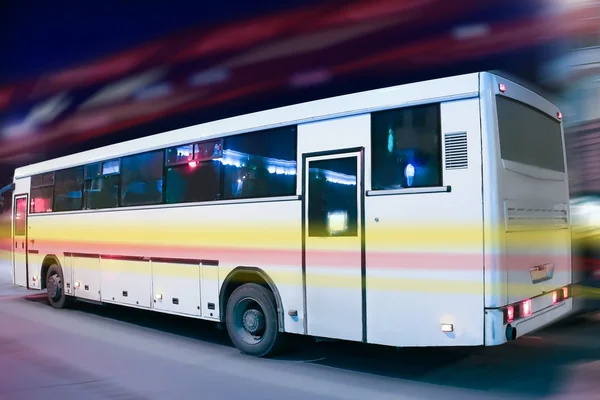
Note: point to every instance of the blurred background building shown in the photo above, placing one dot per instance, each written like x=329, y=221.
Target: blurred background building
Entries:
x=576, y=74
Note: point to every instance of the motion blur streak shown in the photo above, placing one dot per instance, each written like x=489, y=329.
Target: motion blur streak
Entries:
x=262, y=55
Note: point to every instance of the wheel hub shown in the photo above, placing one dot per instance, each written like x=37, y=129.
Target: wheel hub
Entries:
x=254, y=320
x=53, y=286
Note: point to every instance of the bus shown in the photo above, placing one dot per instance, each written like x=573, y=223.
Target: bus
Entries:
x=429, y=214
x=5, y=226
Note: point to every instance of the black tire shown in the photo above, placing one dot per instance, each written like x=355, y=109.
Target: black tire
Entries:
x=252, y=323
x=55, y=287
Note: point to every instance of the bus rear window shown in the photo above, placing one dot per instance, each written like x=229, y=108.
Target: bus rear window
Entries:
x=528, y=136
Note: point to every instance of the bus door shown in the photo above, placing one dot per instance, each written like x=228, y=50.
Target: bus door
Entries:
x=333, y=245
x=19, y=242
x=6, y=227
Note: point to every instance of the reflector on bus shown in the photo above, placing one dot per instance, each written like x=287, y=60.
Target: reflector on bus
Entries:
x=526, y=307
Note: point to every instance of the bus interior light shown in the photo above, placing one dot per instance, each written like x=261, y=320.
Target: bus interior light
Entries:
x=409, y=173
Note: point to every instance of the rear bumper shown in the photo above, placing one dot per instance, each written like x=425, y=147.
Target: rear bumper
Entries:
x=496, y=329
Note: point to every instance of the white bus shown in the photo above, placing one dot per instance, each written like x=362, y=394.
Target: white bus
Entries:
x=428, y=214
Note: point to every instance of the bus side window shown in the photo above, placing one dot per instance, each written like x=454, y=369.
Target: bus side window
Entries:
x=102, y=185
x=406, y=149
x=42, y=193
x=193, y=172
x=142, y=179
x=260, y=164
x=68, y=189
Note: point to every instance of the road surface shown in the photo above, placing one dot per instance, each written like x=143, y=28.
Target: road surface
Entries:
x=92, y=352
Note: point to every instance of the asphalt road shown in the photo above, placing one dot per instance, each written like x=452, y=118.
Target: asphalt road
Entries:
x=92, y=352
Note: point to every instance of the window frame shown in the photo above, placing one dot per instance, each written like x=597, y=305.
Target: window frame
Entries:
x=314, y=230
x=165, y=164
x=102, y=174
x=26, y=215
x=194, y=158
x=184, y=165
x=293, y=127
x=40, y=186
x=439, y=185
x=501, y=101
x=82, y=177
x=163, y=170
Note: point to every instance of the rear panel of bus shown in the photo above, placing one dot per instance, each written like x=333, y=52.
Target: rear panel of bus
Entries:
x=528, y=238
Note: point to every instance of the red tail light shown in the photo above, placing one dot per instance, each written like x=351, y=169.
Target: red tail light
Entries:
x=510, y=313
x=565, y=291
x=526, y=307
x=502, y=87
x=554, y=297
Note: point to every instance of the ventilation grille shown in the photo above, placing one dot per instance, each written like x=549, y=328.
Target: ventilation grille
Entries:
x=455, y=145
x=529, y=217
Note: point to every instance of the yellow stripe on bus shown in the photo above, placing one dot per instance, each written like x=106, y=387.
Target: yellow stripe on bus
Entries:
x=438, y=238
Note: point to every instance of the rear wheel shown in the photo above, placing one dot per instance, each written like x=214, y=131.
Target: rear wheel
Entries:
x=55, y=287
x=252, y=323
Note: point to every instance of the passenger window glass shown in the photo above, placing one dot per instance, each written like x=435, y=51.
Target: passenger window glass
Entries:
x=68, y=189
x=102, y=192
x=42, y=193
x=333, y=197
x=180, y=154
x=208, y=150
x=142, y=179
x=260, y=164
x=46, y=179
x=528, y=136
x=102, y=185
x=406, y=148
x=93, y=170
x=198, y=181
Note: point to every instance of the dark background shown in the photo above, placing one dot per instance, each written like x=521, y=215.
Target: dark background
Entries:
x=74, y=50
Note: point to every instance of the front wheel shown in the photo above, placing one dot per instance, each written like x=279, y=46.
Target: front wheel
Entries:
x=55, y=287
x=251, y=319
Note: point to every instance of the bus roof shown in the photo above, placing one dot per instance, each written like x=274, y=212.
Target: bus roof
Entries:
x=466, y=85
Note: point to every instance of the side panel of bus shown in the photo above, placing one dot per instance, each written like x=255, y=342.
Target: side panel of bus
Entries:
x=425, y=249
x=154, y=258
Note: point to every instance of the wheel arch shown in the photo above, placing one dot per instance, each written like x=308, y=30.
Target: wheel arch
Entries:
x=242, y=275
x=49, y=260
